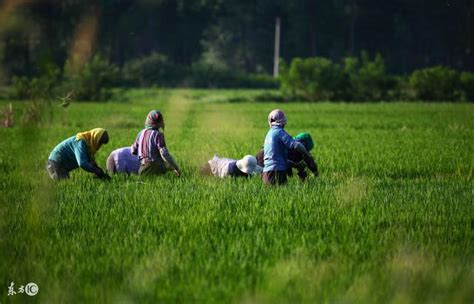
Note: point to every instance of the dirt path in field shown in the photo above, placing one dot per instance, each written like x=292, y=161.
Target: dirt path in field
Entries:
x=177, y=108
x=225, y=131
x=180, y=121
x=198, y=128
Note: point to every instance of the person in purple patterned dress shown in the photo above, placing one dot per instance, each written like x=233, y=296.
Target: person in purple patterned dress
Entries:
x=150, y=147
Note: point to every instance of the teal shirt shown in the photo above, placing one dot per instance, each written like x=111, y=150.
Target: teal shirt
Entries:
x=71, y=154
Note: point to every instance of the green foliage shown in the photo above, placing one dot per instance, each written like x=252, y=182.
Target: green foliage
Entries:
x=239, y=34
x=321, y=79
x=5, y=92
x=153, y=70
x=467, y=85
x=313, y=78
x=435, y=84
x=402, y=90
x=93, y=80
x=157, y=70
x=204, y=75
x=20, y=87
x=41, y=87
x=387, y=221
x=368, y=80
x=363, y=79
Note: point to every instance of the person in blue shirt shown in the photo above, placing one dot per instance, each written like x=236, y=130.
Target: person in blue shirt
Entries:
x=77, y=151
x=275, y=150
x=296, y=159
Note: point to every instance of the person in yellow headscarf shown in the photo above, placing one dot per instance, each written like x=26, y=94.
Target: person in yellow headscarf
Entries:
x=77, y=151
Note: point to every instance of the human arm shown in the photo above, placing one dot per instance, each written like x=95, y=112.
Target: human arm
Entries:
x=308, y=161
x=84, y=160
x=165, y=154
x=291, y=143
x=167, y=157
x=300, y=161
x=311, y=163
x=260, y=158
x=134, y=147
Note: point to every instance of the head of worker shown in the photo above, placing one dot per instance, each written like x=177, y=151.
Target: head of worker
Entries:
x=306, y=139
x=277, y=118
x=154, y=120
x=94, y=139
x=248, y=165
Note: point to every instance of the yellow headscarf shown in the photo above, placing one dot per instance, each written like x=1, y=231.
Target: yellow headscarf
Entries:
x=92, y=139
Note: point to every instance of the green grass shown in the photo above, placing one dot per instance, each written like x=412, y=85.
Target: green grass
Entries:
x=388, y=220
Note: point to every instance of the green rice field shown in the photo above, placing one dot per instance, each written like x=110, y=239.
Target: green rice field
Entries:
x=389, y=219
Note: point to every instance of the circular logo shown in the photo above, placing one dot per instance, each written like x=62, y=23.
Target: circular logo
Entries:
x=31, y=289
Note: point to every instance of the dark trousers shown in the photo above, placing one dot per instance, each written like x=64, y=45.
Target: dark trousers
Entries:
x=274, y=177
x=152, y=168
x=55, y=171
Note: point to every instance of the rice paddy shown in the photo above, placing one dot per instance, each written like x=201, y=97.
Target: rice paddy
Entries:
x=388, y=220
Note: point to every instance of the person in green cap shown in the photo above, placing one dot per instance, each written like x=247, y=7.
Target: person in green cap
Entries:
x=296, y=159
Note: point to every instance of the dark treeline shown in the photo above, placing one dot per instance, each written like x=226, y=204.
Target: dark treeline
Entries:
x=409, y=34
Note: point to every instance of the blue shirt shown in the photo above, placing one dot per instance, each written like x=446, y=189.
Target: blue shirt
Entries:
x=71, y=154
x=275, y=149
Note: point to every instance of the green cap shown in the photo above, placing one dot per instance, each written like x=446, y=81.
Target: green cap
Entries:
x=306, y=140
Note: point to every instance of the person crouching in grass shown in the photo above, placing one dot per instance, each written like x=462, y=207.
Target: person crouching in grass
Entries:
x=151, y=148
x=275, y=150
x=123, y=161
x=296, y=159
x=77, y=151
x=228, y=167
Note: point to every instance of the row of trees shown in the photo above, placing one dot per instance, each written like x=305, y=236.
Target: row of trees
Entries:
x=365, y=79
x=314, y=79
x=95, y=78
x=233, y=35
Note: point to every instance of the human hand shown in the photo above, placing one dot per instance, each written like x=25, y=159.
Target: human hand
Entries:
x=302, y=175
x=177, y=173
x=105, y=177
x=100, y=174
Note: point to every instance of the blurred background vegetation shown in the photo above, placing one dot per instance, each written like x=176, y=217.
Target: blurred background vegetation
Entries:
x=350, y=50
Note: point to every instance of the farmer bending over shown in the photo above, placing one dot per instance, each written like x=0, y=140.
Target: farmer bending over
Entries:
x=151, y=148
x=223, y=167
x=77, y=151
x=123, y=161
x=275, y=149
x=297, y=159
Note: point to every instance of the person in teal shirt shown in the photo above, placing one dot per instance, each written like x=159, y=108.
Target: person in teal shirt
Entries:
x=77, y=151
